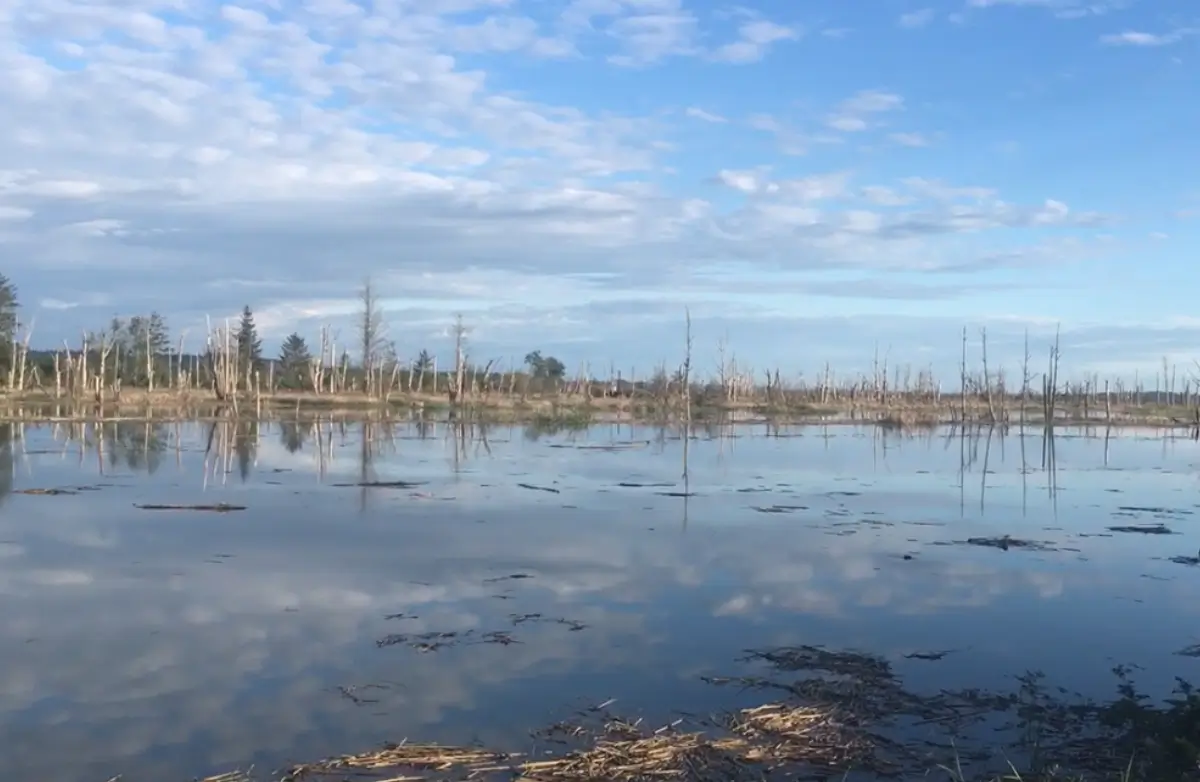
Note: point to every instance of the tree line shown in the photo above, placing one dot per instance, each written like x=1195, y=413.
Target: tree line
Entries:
x=138, y=351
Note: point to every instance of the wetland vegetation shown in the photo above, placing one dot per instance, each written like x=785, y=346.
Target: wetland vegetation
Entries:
x=134, y=367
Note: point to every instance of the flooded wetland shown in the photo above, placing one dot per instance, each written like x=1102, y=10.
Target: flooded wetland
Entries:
x=187, y=599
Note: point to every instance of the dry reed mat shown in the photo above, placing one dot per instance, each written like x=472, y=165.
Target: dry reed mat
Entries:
x=746, y=745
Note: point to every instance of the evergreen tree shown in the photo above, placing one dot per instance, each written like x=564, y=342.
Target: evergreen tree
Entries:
x=249, y=346
x=160, y=334
x=294, y=359
x=424, y=362
x=8, y=310
x=544, y=367
x=133, y=350
x=144, y=340
x=8, y=320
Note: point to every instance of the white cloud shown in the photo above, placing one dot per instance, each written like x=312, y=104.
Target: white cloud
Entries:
x=706, y=116
x=909, y=139
x=858, y=113
x=745, y=181
x=755, y=39
x=916, y=19
x=884, y=196
x=652, y=30
x=1135, y=38
x=15, y=213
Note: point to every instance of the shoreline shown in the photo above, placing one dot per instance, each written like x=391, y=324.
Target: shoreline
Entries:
x=898, y=412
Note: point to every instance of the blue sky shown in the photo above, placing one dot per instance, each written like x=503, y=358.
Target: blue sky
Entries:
x=811, y=180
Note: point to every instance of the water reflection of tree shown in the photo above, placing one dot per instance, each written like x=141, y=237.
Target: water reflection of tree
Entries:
x=245, y=446
x=293, y=434
x=1048, y=731
x=136, y=445
x=7, y=462
x=549, y=426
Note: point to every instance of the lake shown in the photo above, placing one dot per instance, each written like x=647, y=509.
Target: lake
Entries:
x=564, y=569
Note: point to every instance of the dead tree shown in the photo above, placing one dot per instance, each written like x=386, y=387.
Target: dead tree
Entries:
x=460, y=338
x=370, y=333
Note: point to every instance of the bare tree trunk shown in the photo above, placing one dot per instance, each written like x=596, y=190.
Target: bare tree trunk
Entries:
x=370, y=333
x=987, y=381
x=460, y=332
x=149, y=364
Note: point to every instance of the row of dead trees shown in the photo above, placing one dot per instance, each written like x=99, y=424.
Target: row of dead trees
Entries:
x=93, y=372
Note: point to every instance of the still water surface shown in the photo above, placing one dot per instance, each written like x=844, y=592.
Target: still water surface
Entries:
x=170, y=644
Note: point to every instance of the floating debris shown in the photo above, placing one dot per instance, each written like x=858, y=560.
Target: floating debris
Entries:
x=513, y=577
x=625, y=446
x=350, y=693
x=572, y=625
x=1007, y=542
x=631, y=485
x=1157, y=510
x=46, y=492
x=380, y=484
x=675, y=493
x=522, y=618
x=1145, y=529
x=531, y=487
x=778, y=508
x=930, y=656
x=220, y=507
x=415, y=757
x=424, y=642
x=1191, y=651
x=231, y=776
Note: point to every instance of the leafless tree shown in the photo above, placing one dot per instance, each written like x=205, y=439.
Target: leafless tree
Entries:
x=370, y=332
x=460, y=358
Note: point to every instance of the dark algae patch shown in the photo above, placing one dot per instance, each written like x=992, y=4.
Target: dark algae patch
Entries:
x=220, y=507
x=778, y=508
x=531, y=487
x=380, y=485
x=1003, y=543
x=1145, y=529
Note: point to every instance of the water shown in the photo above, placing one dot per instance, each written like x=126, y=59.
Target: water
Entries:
x=170, y=644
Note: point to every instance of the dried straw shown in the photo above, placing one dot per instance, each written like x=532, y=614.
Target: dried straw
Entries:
x=417, y=757
x=752, y=741
x=771, y=736
x=786, y=734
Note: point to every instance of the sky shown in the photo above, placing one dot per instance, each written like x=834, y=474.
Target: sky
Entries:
x=812, y=181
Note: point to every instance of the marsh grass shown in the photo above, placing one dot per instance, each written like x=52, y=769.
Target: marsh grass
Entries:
x=859, y=402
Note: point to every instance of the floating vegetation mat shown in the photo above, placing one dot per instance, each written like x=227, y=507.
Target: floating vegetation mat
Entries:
x=742, y=746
